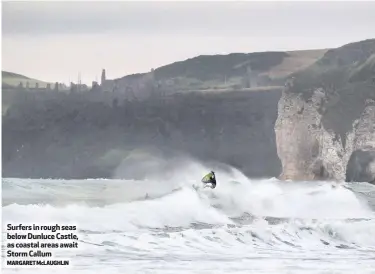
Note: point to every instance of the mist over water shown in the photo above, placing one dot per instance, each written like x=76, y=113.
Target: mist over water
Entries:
x=160, y=224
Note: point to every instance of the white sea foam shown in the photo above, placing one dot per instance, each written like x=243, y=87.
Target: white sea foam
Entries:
x=263, y=226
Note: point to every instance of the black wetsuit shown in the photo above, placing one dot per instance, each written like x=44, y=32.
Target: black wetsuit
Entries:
x=213, y=182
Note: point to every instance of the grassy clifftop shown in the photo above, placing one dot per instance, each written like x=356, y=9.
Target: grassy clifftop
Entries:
x=350, y=64
x=214, y=71
x=222, y=71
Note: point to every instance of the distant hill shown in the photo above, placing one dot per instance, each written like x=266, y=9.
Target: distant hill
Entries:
x=214, y=71
x=221, y=71
x=11, y=79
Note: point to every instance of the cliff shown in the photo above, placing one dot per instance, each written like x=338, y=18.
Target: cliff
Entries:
x=326, y=117
x=320, y=126
x=90, y=134
x=59, y=135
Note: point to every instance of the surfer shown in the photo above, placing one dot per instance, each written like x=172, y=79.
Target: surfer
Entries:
x=209, y=179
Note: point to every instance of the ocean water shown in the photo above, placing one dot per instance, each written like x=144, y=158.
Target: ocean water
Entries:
x=166, y=226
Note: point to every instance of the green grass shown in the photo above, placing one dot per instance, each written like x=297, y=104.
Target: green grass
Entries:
x=297, y=60
x=213, y=72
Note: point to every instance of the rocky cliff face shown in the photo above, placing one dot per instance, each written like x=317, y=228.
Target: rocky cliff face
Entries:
x=74, y=136
x=326, y=115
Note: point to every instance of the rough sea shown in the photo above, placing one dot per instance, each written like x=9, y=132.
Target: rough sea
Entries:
x=165, y=226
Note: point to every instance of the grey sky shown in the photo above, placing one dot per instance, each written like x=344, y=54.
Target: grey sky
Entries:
x=53, y=41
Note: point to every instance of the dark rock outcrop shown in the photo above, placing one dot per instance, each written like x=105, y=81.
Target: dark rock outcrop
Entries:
x=361, y=166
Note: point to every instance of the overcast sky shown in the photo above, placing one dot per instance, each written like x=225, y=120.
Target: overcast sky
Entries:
x=54, y=41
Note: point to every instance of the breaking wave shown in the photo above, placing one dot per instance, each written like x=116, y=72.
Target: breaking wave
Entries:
x=169, y=221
